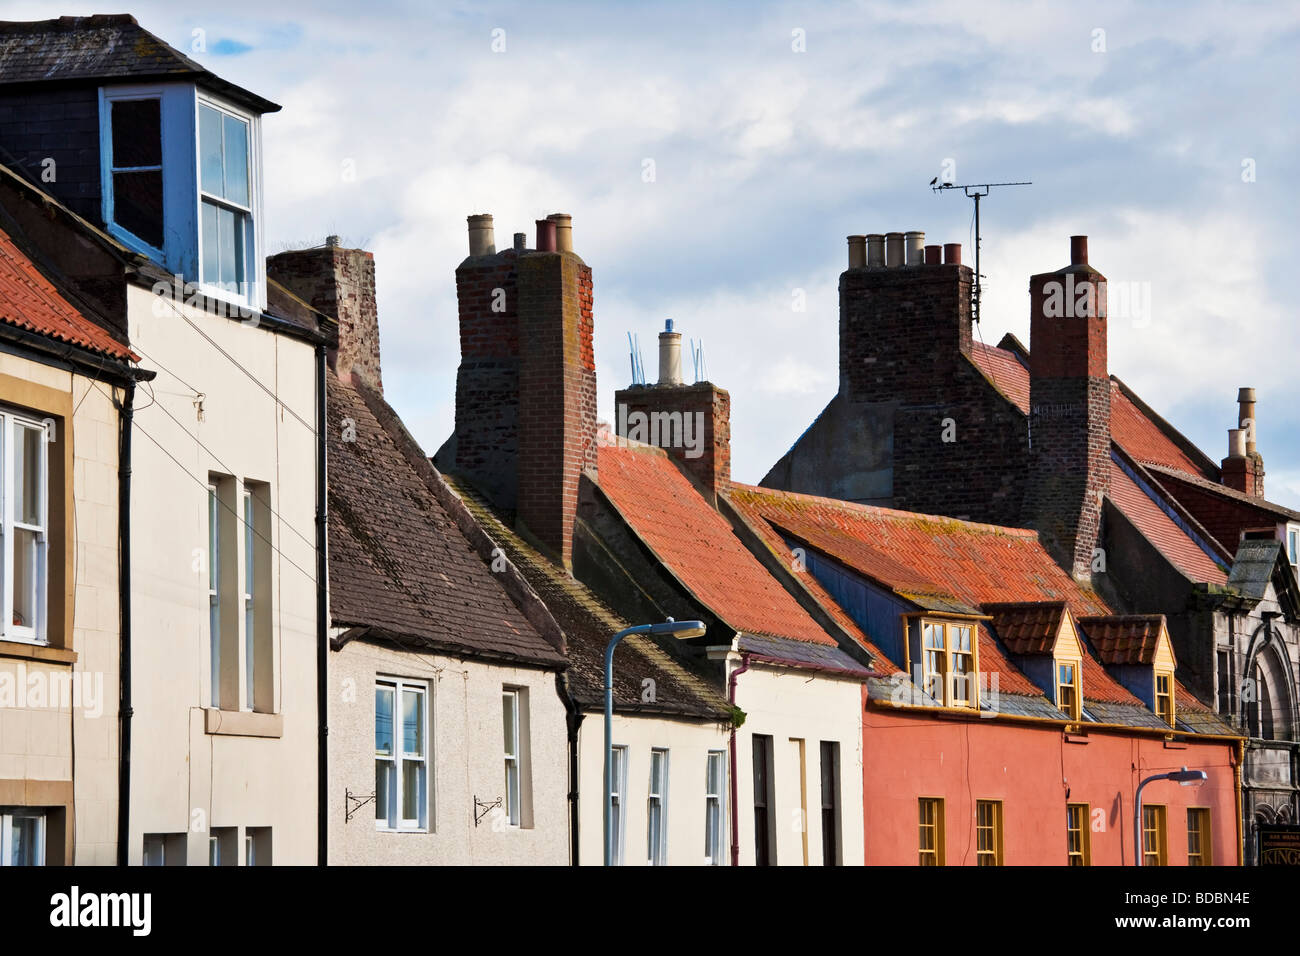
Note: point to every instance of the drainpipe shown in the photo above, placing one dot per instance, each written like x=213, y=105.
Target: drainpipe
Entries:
x=322, y=620
x=735, y=819
x=126, y=413
x=572, y=721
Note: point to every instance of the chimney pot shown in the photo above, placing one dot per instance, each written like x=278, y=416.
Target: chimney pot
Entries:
x=482, y=241
x=857, y=251
x=563, y=231
x=545, y=235
x=521, y=241
x=1246, y=417
x=875, y=249
x=952, y=253
x=1236, y=443
x=934, y=255
x=915, y=241
x=333, y=242
x=1078, y=250
x=894, y=252
x=670, y=355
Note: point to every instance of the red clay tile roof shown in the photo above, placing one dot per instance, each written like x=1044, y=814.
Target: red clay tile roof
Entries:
x=398, y=561
x=30, y=301
x=693, y=541
x=1124, y=638
x=1161, y=530
x=1027, y=627
x=1004, y=370
x=1143, y=438
x=922, y=555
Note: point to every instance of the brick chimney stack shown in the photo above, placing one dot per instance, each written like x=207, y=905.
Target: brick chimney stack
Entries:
x=341, y=283
x=1243, y=469
x=526, y=386
x=905, y=319
x=1069, y=396
x=691, y=422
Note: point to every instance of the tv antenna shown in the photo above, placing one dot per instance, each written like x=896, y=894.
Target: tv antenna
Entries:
x=638, y=366
x=975, y=191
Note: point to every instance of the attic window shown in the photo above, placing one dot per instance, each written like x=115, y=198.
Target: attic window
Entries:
x=1067, y=688
x=1165, y=697
x=226, y=198
x=948, y=663
x=135, y=164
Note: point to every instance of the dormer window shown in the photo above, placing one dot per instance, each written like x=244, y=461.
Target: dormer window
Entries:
x=1165, y=697
x=1067, y=689
x=948, y=663
x=180, y=171
x=226, y=212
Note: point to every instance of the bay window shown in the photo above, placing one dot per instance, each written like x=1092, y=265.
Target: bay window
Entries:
x=949, y=662
x=225, y=198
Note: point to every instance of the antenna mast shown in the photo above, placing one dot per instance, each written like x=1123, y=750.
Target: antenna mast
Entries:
x=973, y=191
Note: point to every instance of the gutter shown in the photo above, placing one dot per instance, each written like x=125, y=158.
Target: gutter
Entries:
x=322, y=620
x=735, y=820
x=124, y=713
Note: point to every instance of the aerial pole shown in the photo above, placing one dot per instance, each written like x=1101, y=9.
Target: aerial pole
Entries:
x=975, y=191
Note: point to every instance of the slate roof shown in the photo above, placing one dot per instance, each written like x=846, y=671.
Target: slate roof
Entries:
x=1124, y=638
x=1161, y=530
x=780, y=650
x=1027, y=627
x=30, y=301
x=107, y=48
x=692, y=540
x=398, y=562
x=588, y=624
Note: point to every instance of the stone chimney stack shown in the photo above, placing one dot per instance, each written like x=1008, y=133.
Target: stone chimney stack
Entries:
x=526, y=386
x=1069, y=397
x=341, y=283
x=690, y=422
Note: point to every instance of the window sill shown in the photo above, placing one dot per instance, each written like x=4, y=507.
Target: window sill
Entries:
x=242, y=723
x=379, y=829
x=37, y=652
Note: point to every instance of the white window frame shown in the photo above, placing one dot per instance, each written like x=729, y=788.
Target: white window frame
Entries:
x=715, y=822
x=657, y=802
x=393, y=821
x=7, y=817
x=107, y=97
x=513, y=764
x=36, y=632
x=214, y=591
x=617, y=795
x=253, y=260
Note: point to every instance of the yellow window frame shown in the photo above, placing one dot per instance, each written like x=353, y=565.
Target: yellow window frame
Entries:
x=950, y=654
x=988, y=833
x=1073, y=707
x=1155, y=835
x=1078, y=835
x=1200, y=850
x=930, y=832
x=1165, y=699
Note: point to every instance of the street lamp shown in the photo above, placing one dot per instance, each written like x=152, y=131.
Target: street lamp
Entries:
x=1184, y=777
x=678, y=629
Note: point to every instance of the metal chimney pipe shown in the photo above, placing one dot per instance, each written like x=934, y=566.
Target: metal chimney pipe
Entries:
x=482, y=241
x=894, y=256
x=857, y=252
x=670, y=355
x=915, y=242
x=952, y=253
x=1246, y=417
x=545, y=235
x=875, y=249
x=563, y=231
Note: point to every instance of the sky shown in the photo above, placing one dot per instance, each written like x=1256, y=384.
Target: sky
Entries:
x=1165, y=132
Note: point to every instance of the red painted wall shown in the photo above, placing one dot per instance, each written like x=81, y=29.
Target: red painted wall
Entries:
x=1028, y=768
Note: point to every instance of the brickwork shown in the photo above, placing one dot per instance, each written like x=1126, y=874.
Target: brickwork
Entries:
x=1245, y=474
x=707, y=456
x=341, y=283
x=1069, y=396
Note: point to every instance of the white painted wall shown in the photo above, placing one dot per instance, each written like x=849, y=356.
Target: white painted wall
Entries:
x=183, y=778
x=467, y=761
